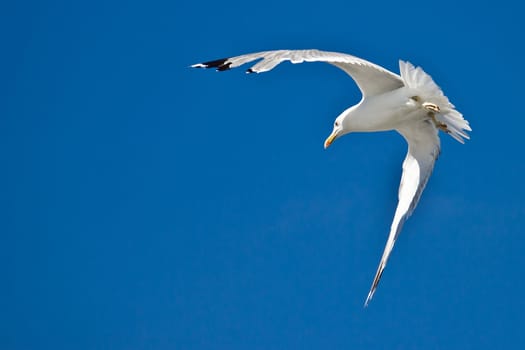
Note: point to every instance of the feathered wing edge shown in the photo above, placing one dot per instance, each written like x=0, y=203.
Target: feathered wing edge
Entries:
x=423, y=150
x=371, y=78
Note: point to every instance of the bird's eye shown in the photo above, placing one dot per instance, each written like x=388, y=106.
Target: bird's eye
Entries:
x=336, y=123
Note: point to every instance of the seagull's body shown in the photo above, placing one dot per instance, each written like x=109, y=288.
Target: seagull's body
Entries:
x=410, y=103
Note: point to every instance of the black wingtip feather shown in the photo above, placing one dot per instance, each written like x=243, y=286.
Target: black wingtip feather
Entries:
x=223, y=67
x=220, y=64
x=214, y=63
x=249, y=71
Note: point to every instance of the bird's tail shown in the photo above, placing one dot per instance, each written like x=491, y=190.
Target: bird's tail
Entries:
x=451, y=120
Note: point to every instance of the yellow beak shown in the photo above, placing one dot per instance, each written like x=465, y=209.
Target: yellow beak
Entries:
x=330, y=139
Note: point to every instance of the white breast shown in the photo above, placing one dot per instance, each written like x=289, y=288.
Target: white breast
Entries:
x=385, y=112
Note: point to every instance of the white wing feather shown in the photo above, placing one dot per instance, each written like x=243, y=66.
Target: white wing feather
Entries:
x=423, y=150
x=371, y=78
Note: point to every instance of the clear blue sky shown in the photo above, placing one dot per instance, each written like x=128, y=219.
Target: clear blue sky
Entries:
x=146, y=205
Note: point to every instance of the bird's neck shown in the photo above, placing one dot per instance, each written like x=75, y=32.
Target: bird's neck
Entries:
x=378, y=113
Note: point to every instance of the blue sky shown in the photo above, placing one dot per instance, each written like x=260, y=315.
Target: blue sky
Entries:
x=147, y=205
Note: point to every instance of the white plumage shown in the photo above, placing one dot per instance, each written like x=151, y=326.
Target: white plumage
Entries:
x=410, y=103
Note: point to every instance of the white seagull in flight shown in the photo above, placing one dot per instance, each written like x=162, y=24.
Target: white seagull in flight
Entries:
x=410, y=103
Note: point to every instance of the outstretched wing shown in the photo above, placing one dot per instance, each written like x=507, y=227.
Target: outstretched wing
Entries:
x=423, y=150
x=371, y=78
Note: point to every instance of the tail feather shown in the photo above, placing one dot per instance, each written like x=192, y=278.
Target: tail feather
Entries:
x=416, y=78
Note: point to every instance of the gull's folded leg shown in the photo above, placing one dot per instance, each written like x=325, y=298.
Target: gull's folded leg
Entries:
x=431, y=107
x=441, y=126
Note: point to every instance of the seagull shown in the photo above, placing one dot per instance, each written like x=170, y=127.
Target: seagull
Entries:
x=410, y=103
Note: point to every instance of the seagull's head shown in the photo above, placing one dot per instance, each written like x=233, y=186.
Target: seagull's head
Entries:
x=342, y=126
